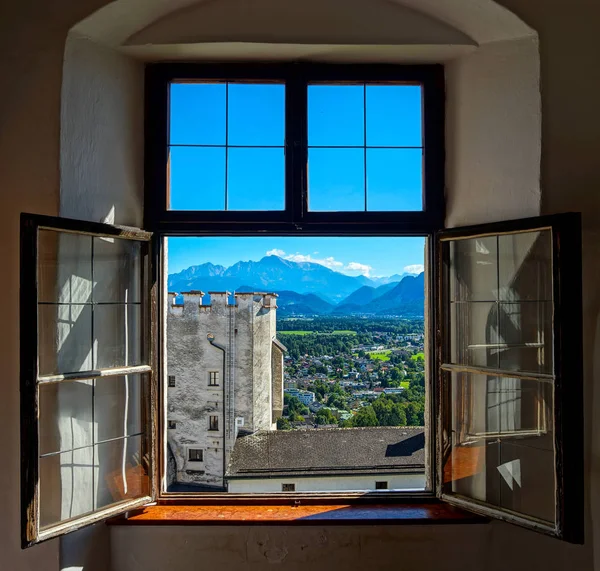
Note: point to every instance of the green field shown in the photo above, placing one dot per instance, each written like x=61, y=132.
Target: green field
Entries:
x=340, y=332
x=404, y=384
x=383, y=355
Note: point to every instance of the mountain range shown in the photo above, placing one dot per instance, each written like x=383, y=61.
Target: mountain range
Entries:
x=306, y=288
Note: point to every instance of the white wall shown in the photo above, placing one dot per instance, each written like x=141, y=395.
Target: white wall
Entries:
x=327, y=484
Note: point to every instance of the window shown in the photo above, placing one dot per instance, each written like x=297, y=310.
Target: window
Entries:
x=503, y=303
x=213, y=378
x=381, y=485
x=171, y=381
x=195, y=455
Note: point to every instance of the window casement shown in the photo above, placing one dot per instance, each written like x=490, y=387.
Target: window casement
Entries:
x=195, y=455
x=503, y=322
x=288, y=487
x=213, y=378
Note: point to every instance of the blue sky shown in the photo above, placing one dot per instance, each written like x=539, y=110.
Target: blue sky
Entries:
x=385, y=172
x=372, y=257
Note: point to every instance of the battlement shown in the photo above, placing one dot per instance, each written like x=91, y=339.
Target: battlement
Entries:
x=192, y=301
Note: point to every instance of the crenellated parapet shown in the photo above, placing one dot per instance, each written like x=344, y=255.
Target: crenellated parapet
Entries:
x=192, y=302
x=189, y=303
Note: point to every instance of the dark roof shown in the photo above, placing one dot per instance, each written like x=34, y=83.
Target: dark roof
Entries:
x=333, y=451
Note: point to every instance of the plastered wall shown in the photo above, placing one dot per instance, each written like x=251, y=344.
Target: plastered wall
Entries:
x=31, y=57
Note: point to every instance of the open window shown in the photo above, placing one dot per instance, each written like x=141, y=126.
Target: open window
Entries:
x=87, y=382
x=510, y=379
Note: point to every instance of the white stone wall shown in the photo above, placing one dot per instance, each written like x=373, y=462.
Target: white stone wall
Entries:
x=246, y=331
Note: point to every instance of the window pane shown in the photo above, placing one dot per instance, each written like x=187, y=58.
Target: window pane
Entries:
x=256, y=179
x=336, y=115
x=117, y=335
x=197, y=114
x=394, y=116
x=197, y=178
x=336, y=180
x=256, y=114
x=65, y=416
x=117, y=270
x=474, y=334
x=394, y=179
x=502, y=443
x=64, y=267
x=474, y=269
x=525, y=266
x=525, y=331
x=118, y=406
x=65, y=338
x=66, y=485
x=120, y=471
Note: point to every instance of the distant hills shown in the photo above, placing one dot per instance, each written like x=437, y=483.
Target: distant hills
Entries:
x=306, y=288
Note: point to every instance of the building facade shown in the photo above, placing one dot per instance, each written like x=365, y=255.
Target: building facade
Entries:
x=225, y=378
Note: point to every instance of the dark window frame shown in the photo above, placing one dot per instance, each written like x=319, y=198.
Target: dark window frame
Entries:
x=213, y=378
x=295, y=219
x=213, y=423
x=195, y=450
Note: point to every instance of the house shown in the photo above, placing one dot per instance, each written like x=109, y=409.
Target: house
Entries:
x=328, y=459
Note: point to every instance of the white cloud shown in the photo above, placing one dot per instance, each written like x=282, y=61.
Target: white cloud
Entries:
x=329, y=262
x=414, y=269
x=276, y=252
x=358, y=269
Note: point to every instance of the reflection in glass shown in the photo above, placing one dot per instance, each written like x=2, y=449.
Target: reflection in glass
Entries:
x=65, y=416
x=65, y=338
x=117, y=270
x=474, y=336
x=66, y=485
x=336, y=115
x=118, y=403
x=117, y=338
x=197, y=114
x=336, y=180
x=197, y=178
x=120, y=471
x=525, y=266
x=256, y=114
x=256, y=179
x=474, y=269
x=394, y=179
x=502, y=443
x=394, y=116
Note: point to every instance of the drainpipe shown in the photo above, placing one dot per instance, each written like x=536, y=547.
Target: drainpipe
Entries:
x=211, y=340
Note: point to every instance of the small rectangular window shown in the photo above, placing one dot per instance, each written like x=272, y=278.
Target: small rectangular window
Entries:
x=383, y=485
x=171, y=381
x=172, y=424
x=195, y=455
x=213, y=378
x=288, y=487
x=213, y=423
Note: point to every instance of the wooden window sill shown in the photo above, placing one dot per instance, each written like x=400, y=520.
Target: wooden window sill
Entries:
x=431, y=513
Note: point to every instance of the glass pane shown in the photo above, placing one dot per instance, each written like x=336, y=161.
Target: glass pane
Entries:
x=525, y=266
x=474, y=269
x=117, y=270
x=394, y=179
x=118, y=406
x=66, y=485
x=394, y=116
x=120, y=471
x=197, y=114
x=256, y=179
x=65, y=416
x=65, y=338
x=336, y=115
x=117, y=335
x=256, y=114
x=336, y=180
x=501, y=443
x=474, y=334
x=525, y=331
x=64, y=267
x=197, y=178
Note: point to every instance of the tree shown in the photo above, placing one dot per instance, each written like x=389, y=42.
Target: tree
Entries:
x=283, y=424
x=325, y=416
x=295, y=417
x=365, y=417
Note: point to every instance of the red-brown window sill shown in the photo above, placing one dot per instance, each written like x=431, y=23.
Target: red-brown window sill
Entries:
x=432, y=513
